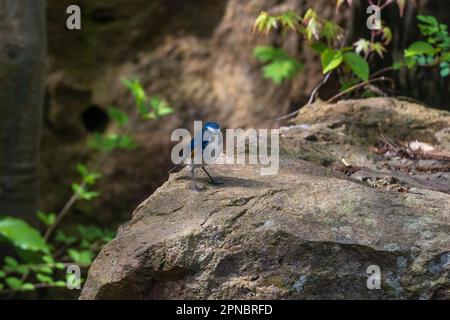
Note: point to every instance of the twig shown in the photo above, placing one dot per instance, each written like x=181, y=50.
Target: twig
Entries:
x=310, y=100
x=381, y=71
x=357, y=86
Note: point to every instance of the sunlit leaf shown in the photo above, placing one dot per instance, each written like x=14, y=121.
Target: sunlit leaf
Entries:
x=313, y=25
x=265, y=22
x=331, y=59
x=386, y=35
x=378, y=48
x=13, y=282
x=330, y=30
x=418, y=48
x=46, y=218
x=279, y=70
x=280, y=65
x=290, y=20
x=22, y=235
x=43, y=278
x=269, y=53
x=27, y=287
x=83, y=193
x=84, y=257
x=445, y=57
x=362, y=46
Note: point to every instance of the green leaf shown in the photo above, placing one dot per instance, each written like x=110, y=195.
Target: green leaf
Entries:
x=387, y=35
x=46, y=219
x=265, y=22
x=45, y=269
x=83, y=193
x=48, y=259
x=118, y=116
x=62, y=237
x=44, y=278
x=410, y=62
x=160, y=106
x=22, y=235
x=290, y=20
x=13, y=282
x=358, y=65
x=279, y=70
x=269, y=53
x=378, y=48
x=2, y=274
x=330, y=30
x=136, y=89
x=82, y=257
x=445, y=57
x=60, y=266
x=418, y=48
x=11, y=262
x=22, y=269
x=445, y=72
x=313, y=25
x=280, y=65
x=110, y=142
x=331, y=59
x=89, y=177
x=319, y=47
x=397, y=65
x=27, y=287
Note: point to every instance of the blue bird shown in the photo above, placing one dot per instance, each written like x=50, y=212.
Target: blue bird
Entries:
x=210, y=132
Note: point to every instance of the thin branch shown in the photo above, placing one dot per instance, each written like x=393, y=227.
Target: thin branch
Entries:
x=310, y=100
x=357, y=86
x=381, y=71
x=61, y=214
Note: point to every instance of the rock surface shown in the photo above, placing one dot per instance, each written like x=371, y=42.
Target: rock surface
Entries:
x=309, y=232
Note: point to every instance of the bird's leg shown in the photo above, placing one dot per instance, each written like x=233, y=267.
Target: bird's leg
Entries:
x=196, y=188
x=214, y=182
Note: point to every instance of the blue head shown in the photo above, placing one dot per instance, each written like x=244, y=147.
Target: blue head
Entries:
x=209, y=129
x=212, y=126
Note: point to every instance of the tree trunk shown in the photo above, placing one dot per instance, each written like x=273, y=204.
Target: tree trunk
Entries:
x=22, y=69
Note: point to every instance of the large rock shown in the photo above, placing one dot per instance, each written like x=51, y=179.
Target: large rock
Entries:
x=311, y=231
